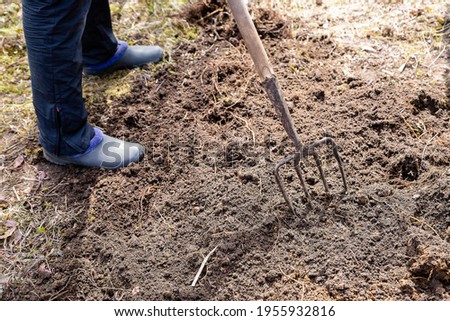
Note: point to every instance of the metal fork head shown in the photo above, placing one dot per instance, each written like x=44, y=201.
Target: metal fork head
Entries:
x=273, y=90
x=302, y=152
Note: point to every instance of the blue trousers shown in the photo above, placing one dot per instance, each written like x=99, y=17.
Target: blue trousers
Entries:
x=61, y=36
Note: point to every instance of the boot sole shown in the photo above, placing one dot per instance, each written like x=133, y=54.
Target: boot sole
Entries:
x=54, y=160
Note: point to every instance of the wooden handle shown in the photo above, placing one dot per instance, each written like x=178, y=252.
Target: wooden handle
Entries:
x=251, y=38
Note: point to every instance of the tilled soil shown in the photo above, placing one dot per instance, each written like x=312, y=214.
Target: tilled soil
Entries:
x=212, y=139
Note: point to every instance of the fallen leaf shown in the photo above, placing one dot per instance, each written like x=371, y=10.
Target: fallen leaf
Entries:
x=11, y=223
x=18, y=162
x=42, y=270
x=42, y=176
x=17, y=236
x=368, y=48
x=135, y=290
x=402, y=67
x=8, y=233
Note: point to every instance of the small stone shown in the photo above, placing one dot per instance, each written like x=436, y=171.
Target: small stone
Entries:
x=362, y=199
x=376, y=236
x=313, y=274
x=272, y=276
x=341, y=286
x=248, y=177
x=416, y=196
x=384, y=192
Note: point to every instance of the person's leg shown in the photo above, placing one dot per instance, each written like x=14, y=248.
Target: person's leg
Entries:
x=99, y=42
x=53, y=32
x=102, y=53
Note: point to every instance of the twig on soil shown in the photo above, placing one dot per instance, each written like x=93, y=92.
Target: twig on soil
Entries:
x=160, y=215
x=225, y=233
x=438, y=56
x=63, y=290
x=141, y=202
x=28, y=179
x=216, y=86
x=201, y=76
x=52, y=189
x=248, y=127
x=403, y=66
x=203, y=265
x=390, y=73
x=426, y=145
x=411, y=217
x=159, y=86
x=209, y=15
x=354, y=257
x=141, y=206
x=12, y=146
x=426, y=224
x=409, y=126
x=260, y=185
x=296, y=281
x=15, y=193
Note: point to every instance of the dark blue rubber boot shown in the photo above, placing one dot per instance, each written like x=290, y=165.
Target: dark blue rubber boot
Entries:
x=126, y=57
x=104, y=152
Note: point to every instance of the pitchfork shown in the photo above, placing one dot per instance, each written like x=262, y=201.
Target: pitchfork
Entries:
x=272, y=87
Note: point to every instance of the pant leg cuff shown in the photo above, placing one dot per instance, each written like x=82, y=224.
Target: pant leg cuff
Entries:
x=122, y=46
x=95, y=141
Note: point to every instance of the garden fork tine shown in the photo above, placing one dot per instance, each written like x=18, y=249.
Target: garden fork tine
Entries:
x=270, y=83
x=301, y=151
